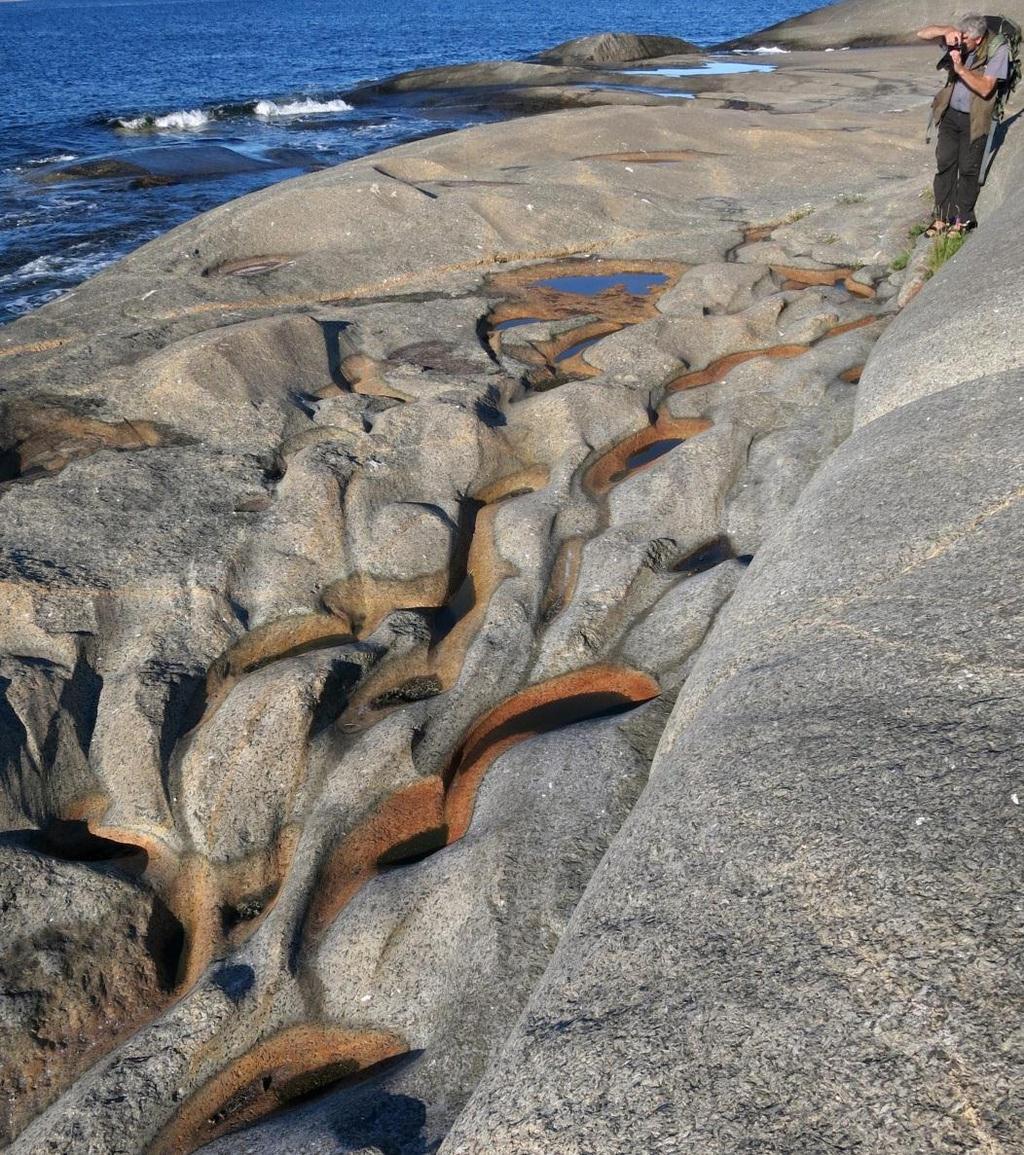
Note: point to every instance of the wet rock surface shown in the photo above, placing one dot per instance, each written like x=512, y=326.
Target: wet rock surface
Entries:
x=358, y=538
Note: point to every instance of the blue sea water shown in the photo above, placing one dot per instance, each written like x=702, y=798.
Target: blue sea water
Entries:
x=216, y=98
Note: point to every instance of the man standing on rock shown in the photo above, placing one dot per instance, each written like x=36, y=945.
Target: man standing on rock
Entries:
x=963, y=111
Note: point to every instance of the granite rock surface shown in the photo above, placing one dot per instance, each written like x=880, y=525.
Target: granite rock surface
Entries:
x=860, y=24
x=367, y=543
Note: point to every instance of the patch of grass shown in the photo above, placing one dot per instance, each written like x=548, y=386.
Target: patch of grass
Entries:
x=830, y=238
x=797, y=215
x=916, y=230
x=900, y=261
x=942, y=249
x=850, y=198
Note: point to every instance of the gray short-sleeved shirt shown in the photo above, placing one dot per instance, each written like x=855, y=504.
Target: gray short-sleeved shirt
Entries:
x=998, y=66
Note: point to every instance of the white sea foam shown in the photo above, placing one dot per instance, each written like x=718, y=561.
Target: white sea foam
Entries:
x=764, y=50
x=58, y=158
x=185, y=119
x=58, y=265
x=269, y=108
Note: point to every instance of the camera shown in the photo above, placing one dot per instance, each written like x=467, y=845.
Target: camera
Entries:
x=947, y=61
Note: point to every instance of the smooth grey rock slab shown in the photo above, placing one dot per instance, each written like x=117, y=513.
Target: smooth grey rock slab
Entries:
x=966, y=322
x=859, y=23
x=807, y=935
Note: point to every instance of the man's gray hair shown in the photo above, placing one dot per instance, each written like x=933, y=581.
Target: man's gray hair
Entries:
x=973, y=25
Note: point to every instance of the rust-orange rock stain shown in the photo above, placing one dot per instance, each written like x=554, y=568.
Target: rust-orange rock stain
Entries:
x=250, y=266
x=800, y=276
x=286, y=637
x=48, y=438
x=397, y=820
x=546, y=706
x=857, y=289
x=717, y=370
x=613, y=308
x=603, y=474
x=562, y=581
x=287, y=1066
x=367, y=600
x=850, y=326
x=554, y=365
x=434, y=812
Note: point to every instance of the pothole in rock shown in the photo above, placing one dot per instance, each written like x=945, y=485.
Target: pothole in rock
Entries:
x=640, y=451
x=450, y=612
x=516, y=323
x=606, y=295
x=284, y=1069
x=562, y=579
x=708, y=556
x=708, y=68
x=719, y=368
x=248, y=266
x=73, y=841
x=595, y=692
x=416, y=689
x=46, y=438
x=591, y=284
x=645, y=456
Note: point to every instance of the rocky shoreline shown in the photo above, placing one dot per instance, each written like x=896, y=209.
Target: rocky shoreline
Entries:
x=479, y=674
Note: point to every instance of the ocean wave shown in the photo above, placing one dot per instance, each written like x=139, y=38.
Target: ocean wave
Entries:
x=764, y=50
x=193, y=118
x=57, y=266
x=307, y=107
x=185, y=119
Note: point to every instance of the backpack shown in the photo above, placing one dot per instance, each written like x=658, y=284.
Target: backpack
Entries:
x=1005, y=31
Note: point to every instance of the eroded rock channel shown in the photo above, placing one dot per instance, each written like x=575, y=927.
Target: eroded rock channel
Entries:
x=345, y=598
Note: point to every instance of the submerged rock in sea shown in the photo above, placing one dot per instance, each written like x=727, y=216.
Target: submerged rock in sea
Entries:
x=169, y=165
x=368, y=544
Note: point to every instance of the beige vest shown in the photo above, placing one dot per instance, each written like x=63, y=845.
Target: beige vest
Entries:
x=982, y=107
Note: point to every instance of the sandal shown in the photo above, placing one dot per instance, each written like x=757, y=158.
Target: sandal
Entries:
x=937, y=228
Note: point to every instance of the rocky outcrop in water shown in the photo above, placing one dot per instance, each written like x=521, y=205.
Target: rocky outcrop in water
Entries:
x=370, y=541
x=615, y=48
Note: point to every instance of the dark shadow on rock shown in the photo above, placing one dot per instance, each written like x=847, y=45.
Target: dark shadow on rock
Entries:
x=488, y=409
x=460, y=596
x=13, y=745
x=184, y=706
x=165, y=944
x=79, y=700
x=235, y=981
x=393, y=1124
x=1002, y=128
x=334, y=697
x=332, y=331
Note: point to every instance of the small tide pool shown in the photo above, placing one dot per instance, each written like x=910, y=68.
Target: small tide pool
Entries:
x=515, y=323
x=708, y=68
x=644, y=456
x=638, y=284
x=578, y=348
